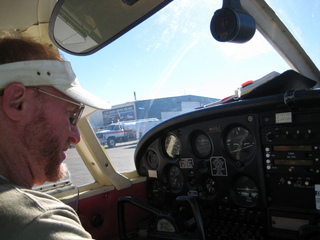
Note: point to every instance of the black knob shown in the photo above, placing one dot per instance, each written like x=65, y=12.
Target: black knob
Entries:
x=97, y=220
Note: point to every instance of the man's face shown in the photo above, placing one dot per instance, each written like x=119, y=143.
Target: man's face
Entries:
x=47, y=138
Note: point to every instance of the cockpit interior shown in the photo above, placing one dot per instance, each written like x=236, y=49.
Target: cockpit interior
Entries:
x=244, y=167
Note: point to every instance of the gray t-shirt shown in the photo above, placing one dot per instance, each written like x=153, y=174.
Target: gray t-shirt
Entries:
x=29, y=214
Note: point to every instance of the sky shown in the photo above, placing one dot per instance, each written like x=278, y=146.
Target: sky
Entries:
x=173, y=53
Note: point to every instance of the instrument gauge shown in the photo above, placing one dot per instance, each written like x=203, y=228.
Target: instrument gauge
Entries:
x=152, y=159
x=201, y=145
x=172, y=146
x=175, y=179
x=246, y=192
x=240, y=144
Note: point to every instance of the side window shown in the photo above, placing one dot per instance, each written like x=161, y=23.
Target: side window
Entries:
x=79, y=174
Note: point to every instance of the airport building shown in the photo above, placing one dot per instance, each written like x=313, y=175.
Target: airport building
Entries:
x=161, y=108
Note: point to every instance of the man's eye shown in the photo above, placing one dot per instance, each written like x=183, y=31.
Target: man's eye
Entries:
x=72, y=121
x=75, y=115
x=70, y=115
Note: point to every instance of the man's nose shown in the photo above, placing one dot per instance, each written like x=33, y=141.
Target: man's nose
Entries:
x=74, y=135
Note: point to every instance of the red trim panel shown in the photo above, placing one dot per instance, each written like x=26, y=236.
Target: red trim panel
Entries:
x=102, y=208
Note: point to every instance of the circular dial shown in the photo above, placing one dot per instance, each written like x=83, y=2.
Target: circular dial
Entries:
x=201, y=145
x=175, y=179
x=152, y=159
x=240, y=144
x=246, y=192
x=172, y=146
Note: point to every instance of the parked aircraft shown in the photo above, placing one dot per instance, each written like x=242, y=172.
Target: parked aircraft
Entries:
x=244, y=167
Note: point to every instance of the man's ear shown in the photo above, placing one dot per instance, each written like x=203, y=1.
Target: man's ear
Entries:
x=14, y=101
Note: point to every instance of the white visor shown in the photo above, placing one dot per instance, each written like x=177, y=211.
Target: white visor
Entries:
x=55, y=73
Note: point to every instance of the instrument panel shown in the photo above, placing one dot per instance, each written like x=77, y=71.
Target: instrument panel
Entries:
x=197, y=159
x=252, y=167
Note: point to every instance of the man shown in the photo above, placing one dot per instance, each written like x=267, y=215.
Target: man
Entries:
x=40, y=103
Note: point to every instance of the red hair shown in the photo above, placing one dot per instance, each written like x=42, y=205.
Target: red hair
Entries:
x=16, y=50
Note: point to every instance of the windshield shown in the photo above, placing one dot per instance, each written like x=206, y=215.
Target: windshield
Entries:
x=170, y=64
x=302, y=19
x=113, y=127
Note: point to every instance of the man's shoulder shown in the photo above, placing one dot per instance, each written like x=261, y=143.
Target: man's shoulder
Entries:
x=24, y=212
x=13, y=196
